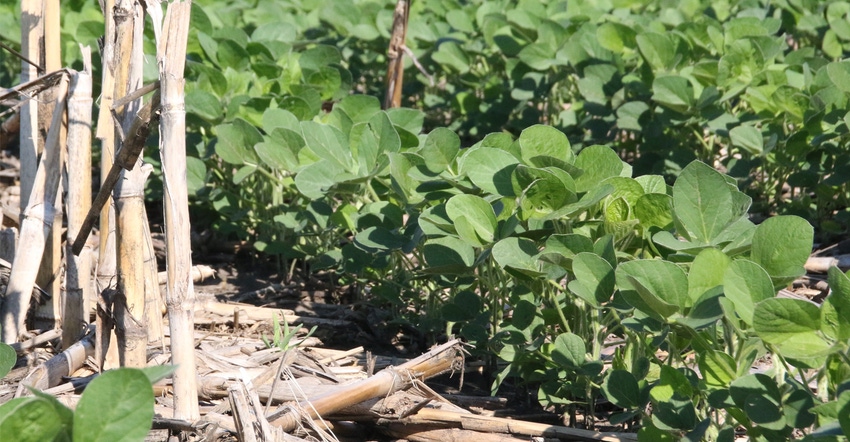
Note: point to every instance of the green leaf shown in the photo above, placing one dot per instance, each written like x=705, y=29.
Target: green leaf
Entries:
x=156, y=373
x=478, y=213
x=843, y=406
x=657, y=49
x=718, y=368
x=764, y=412
x=490, y=169
x=440, y=149
x=518, y=256
x=360, y=108
x=460, y=20
x=378, y=239
x=706, y=272
x=590, y=199
x=792, y=325
x=673, y=91
x=705, y=312
x=626, y=188
x=204, y=105
x=542, y=190
x=654, y=210
x=329, y=143
x=411, y=120
x=209, y=45
x=839, y=74
x=649, y=432
x=465, y=306
x=797, y=408
x=781, y=245
x=451, y=55
x=434, y=221
x=231, y=54
x=403, y=184
x=673, y=382
x=274, y=31
x=200, y=19
x=116, y=406
x=621, y=388
x=594, y=278
x=208, y=74
x=448, y=255
x=839, y=299
x=539, y=56
x=8, y=357
x=745, y=284
x=540, y=145
x=65, y=414
x=274, y=118
x=615, y=36
x=673, y=413
x=598, y=163
x=236, y=142
x=653, y=184
x=243, y=173
x=281, y=150
x=569, y=351
x=369, y=143
x=561, y=249
x=837, y=15
x=35, y=419
x=630, y=114
x=315, y=180
x=760, y=398
x=297, y=106
x=319, y=56
x=702, y=203
x=662, y=285
x=380, y=213
x=748, y=138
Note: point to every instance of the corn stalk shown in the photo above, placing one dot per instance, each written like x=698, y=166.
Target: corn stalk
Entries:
x=129, y=303
x=78, y=268
x=180, y=296
x=106, y=260
x=35, y=227
x=51, y=262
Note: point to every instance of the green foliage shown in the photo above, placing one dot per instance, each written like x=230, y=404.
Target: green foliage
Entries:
x=8, y=357
x=116, y=406
x=282, y=336
x=537, y=241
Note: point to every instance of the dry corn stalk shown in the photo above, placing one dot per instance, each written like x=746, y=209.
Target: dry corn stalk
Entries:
x=32, y=30
x=180, y=296
x=51, y=262
x=36, y=226
x=78, y=273
x=395, y=55
x=131, y=323
x=439, y=360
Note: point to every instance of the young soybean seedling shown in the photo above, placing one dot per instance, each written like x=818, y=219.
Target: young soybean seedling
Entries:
x=281, y=337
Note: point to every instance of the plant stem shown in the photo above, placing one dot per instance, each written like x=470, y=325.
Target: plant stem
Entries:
x=556, y=305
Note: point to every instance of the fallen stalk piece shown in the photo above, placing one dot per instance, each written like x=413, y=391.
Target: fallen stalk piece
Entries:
x=416, y=433
x=253, y=313
x=439, y=360
x=31, y=88
x=427, y=418
x=821, y=264
x=50, y=372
